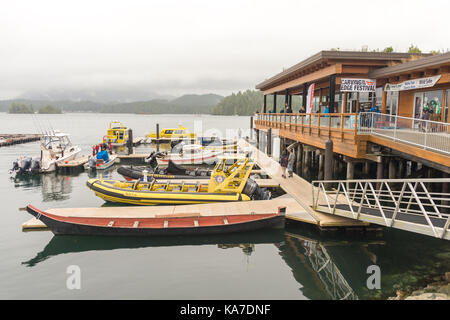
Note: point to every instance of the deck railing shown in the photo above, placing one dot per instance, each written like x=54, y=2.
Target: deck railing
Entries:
x=430, y=135
x=324, y=123
x=426, y=134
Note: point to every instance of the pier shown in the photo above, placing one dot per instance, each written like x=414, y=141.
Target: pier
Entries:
x=10, y=139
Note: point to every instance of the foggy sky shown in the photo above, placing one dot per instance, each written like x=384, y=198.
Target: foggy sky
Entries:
x=176, y=47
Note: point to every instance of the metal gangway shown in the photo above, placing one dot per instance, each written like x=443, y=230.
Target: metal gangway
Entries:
x=416, y=205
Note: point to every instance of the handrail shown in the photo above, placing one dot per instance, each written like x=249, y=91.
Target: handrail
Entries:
x=406, y=204
x=426, y=134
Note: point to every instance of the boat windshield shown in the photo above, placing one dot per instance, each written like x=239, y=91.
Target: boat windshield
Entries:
x=55, y=142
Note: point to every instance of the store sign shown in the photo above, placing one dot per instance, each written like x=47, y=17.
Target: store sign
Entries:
x=358, y=85
x=413, y=84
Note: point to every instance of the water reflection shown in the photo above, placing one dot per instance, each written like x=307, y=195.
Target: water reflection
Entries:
x=320, y=265
x=75, y=244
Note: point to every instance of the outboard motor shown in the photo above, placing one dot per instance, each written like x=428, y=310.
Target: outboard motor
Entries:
x=15, y=165
x=25, y=164
x=35, y=165
x=92, y=163
x=252, y=190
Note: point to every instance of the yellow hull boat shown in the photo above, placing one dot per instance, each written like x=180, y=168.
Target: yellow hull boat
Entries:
x=227, y=183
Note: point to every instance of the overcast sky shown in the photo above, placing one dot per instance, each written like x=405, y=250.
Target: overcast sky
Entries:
x=176, y=47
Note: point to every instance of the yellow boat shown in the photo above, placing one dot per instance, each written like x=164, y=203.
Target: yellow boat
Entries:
x=172, y=134
x=117, y=134
x=227, y=183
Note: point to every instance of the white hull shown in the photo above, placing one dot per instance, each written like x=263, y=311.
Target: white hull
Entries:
x=207, y=157
x=49, y=165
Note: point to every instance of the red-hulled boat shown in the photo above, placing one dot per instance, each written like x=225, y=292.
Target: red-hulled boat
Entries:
x=179, y=224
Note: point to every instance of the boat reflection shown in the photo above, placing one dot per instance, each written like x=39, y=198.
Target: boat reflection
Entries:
x=53, y=186
x=321, y=266
x=74, y=244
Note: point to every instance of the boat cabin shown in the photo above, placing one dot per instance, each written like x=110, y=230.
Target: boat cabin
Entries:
x=117, y=133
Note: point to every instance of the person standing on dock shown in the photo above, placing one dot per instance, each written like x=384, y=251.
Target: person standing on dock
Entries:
x=291, y=161
x=284, y=158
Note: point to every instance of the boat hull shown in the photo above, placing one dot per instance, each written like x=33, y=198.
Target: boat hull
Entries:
x=208, y=225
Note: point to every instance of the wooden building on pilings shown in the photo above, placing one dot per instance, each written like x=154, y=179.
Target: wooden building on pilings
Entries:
x=391, y=144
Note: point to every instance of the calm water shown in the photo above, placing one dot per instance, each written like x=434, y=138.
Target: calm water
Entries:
x=296, y=263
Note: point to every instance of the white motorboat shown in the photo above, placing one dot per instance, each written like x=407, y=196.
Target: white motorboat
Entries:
x=190, y=154
x=55, y=148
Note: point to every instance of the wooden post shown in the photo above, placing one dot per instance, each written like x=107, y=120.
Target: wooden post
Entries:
x=329, y=160
x=383, y=101
x=350, y=170
x=332, y=93
x=344, y=103
x=274, y=103
x=251, y=127
x=265, y=104
x=392, y=168
x=130, y=141
x=269, y=141
x=157, y=137
x=380, y=170
x=299, y=157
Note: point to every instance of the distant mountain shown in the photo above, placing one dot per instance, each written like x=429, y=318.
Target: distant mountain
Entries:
x=121, y=95
x=187, y=104
x=65, y=105
x=197, y=100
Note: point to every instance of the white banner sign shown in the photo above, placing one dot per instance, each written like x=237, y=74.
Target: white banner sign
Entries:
x=413, y=84
x=358, y=85
x=309, y=102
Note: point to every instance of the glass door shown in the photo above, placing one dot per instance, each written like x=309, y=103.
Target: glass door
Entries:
x=418, y=105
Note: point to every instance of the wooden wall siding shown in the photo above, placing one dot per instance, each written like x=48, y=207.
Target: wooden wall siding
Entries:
x=405, y=103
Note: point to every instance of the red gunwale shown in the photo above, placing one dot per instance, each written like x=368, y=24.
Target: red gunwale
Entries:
x=158, y=222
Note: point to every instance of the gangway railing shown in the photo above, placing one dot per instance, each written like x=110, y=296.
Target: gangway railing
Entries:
x=416, y=205
x=432, y=135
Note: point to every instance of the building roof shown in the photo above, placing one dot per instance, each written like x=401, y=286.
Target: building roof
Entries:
x=428, y=62
x=338, y=55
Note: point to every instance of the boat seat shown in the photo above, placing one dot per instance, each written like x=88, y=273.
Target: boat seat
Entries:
x=135, y=184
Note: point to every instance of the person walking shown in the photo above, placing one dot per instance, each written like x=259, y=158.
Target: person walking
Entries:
x=284, y=162
x=291, y=161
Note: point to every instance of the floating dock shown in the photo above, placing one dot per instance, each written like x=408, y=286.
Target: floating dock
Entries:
x=10, y=139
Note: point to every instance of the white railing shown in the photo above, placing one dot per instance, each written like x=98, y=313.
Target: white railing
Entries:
x=416, y=205
x=432, y=135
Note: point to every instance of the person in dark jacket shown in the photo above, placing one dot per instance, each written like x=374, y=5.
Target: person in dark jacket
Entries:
x=284, y=162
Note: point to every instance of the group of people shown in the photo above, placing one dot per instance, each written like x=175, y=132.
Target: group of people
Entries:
x=287, y=160
x=428, y=113
x=101, y=149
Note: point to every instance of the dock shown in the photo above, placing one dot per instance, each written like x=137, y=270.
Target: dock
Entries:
x=10, y=139
x=300, y=190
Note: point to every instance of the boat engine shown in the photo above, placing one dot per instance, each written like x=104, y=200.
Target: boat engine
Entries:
x=25, y=164
x=35, y=165
x=252, y=190
x=92, y=163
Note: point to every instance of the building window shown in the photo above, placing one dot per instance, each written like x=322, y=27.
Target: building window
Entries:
x=431, y=100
